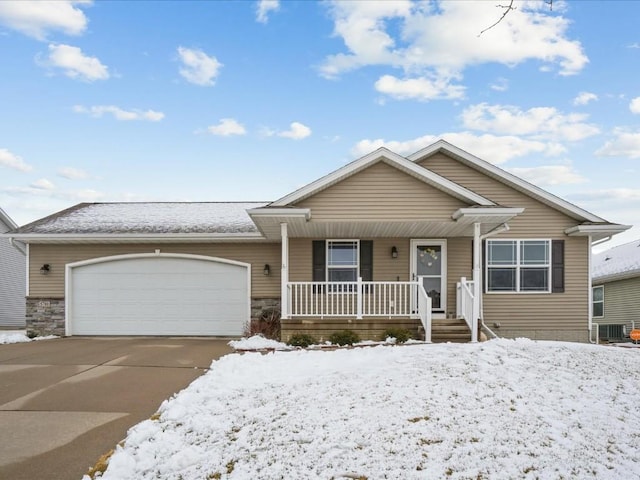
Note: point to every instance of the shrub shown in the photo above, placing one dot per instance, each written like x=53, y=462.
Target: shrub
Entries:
x=302, y=340
x=400, y=334
x=344, y=337
x=267, y=325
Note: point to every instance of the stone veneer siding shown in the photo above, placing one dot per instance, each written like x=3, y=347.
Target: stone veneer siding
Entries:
x=45, y=316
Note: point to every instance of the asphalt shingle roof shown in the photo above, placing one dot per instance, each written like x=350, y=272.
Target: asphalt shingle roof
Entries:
x=148, y=218
x=623, y=259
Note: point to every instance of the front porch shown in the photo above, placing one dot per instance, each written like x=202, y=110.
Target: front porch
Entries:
x=371, y=307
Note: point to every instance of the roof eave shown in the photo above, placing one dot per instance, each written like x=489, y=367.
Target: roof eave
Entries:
x=616, y=277
x=35, y=238
x=561, y=204
x=596, y=232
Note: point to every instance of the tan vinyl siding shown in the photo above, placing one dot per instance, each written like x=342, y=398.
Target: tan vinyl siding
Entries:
x=547, y=311
x=538, y=220
x=459, y=260
x=553, y=311
x=52, y=285
x=621, y=302
x=385, y=268
x=381, y=192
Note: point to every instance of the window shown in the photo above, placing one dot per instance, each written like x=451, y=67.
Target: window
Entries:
x=597, y=304
x=518, y=265
x=342, y=260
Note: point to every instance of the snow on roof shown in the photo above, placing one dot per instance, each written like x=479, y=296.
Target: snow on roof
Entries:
x=620, y=260
x=162, y=217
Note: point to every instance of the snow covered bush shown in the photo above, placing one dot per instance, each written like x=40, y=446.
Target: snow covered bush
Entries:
x=302, y=340
x=344, y=337
x=400, y=334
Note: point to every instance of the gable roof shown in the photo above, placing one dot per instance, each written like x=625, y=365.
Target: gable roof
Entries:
x=383, y=154
x=617, y=263
x=503, y=176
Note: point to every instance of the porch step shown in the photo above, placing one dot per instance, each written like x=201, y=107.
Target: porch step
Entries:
x=453, y=330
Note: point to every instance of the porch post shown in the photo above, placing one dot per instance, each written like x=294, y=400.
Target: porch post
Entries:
x=477, y=278
x=284, y=274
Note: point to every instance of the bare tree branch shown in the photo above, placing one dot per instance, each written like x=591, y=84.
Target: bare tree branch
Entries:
x=507, y=8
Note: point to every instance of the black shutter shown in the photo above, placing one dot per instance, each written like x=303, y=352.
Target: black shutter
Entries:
x=319, y=261
x=557, y=266
x=366, y=260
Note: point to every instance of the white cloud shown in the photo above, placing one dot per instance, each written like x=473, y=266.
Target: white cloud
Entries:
x=263, y=9
x=297, y=131
x=82, y=195
x=74, y=63
x=118, y=113
x=584, y=98
x=500, y=85
x=625, y=144
x=549, y=175
x=198, y=67
x=72, y=173
x=43, y=184
x=421, y=88
x=37, y=18
x=227, y=127
x=634, y=106
x=440, y=39
x=538, y=122
x=13, y=161
x=611, y=194
x=494, y=149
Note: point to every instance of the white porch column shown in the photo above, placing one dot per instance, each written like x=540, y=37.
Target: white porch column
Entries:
x=477, y=279
x=284, y=274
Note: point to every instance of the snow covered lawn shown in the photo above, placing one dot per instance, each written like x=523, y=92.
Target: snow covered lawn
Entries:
x=503, y=409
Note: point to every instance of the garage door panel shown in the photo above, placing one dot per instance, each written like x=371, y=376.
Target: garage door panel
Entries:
x=159, y=296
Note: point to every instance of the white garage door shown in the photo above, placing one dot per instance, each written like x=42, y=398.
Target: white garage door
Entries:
x=158, y=295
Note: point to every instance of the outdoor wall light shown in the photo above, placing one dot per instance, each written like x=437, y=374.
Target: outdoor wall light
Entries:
x=267, y=269
x=394, y=252
x=45, y=269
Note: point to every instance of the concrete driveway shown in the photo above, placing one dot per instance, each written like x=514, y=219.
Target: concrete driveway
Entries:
x=65, y=402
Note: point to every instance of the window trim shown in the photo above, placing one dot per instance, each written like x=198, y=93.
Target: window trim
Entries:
x=328, y=243
x=593, y=301
x=518, y=266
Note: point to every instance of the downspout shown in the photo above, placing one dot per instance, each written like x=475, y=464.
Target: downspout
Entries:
x=499, y=229
x=590, y=290
x=15, y=244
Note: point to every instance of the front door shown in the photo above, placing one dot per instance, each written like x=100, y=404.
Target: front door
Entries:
x=429, y=267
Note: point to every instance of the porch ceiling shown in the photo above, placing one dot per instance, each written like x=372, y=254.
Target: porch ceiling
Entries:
x=299, y=227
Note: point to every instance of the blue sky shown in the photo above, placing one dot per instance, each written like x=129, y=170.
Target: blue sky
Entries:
x=246, y=100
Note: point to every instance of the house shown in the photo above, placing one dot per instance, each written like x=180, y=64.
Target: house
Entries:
x=418, y=242
x=616, y=291
x=12, y=278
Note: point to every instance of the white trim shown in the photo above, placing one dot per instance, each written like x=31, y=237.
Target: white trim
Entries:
x=589, y=230
x=280, y=212
x=486, y=212
x=68, y=288
x=284, y=273
x=592, y=301
x=518, y=266
x=27, y=276
x=398, y=161
x=44, y=237
x=414, y=243
x=7, y=219
x=559, y=203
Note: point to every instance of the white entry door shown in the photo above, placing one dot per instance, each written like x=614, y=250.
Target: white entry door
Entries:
x=429, y=266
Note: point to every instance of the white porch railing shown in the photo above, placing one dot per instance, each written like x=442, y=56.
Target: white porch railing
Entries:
x=360, y=299
x=465, y=305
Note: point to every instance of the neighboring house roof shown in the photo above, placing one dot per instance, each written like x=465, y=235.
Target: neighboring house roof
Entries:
x=209, y=218
x=617, y=263
x=6, y=219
